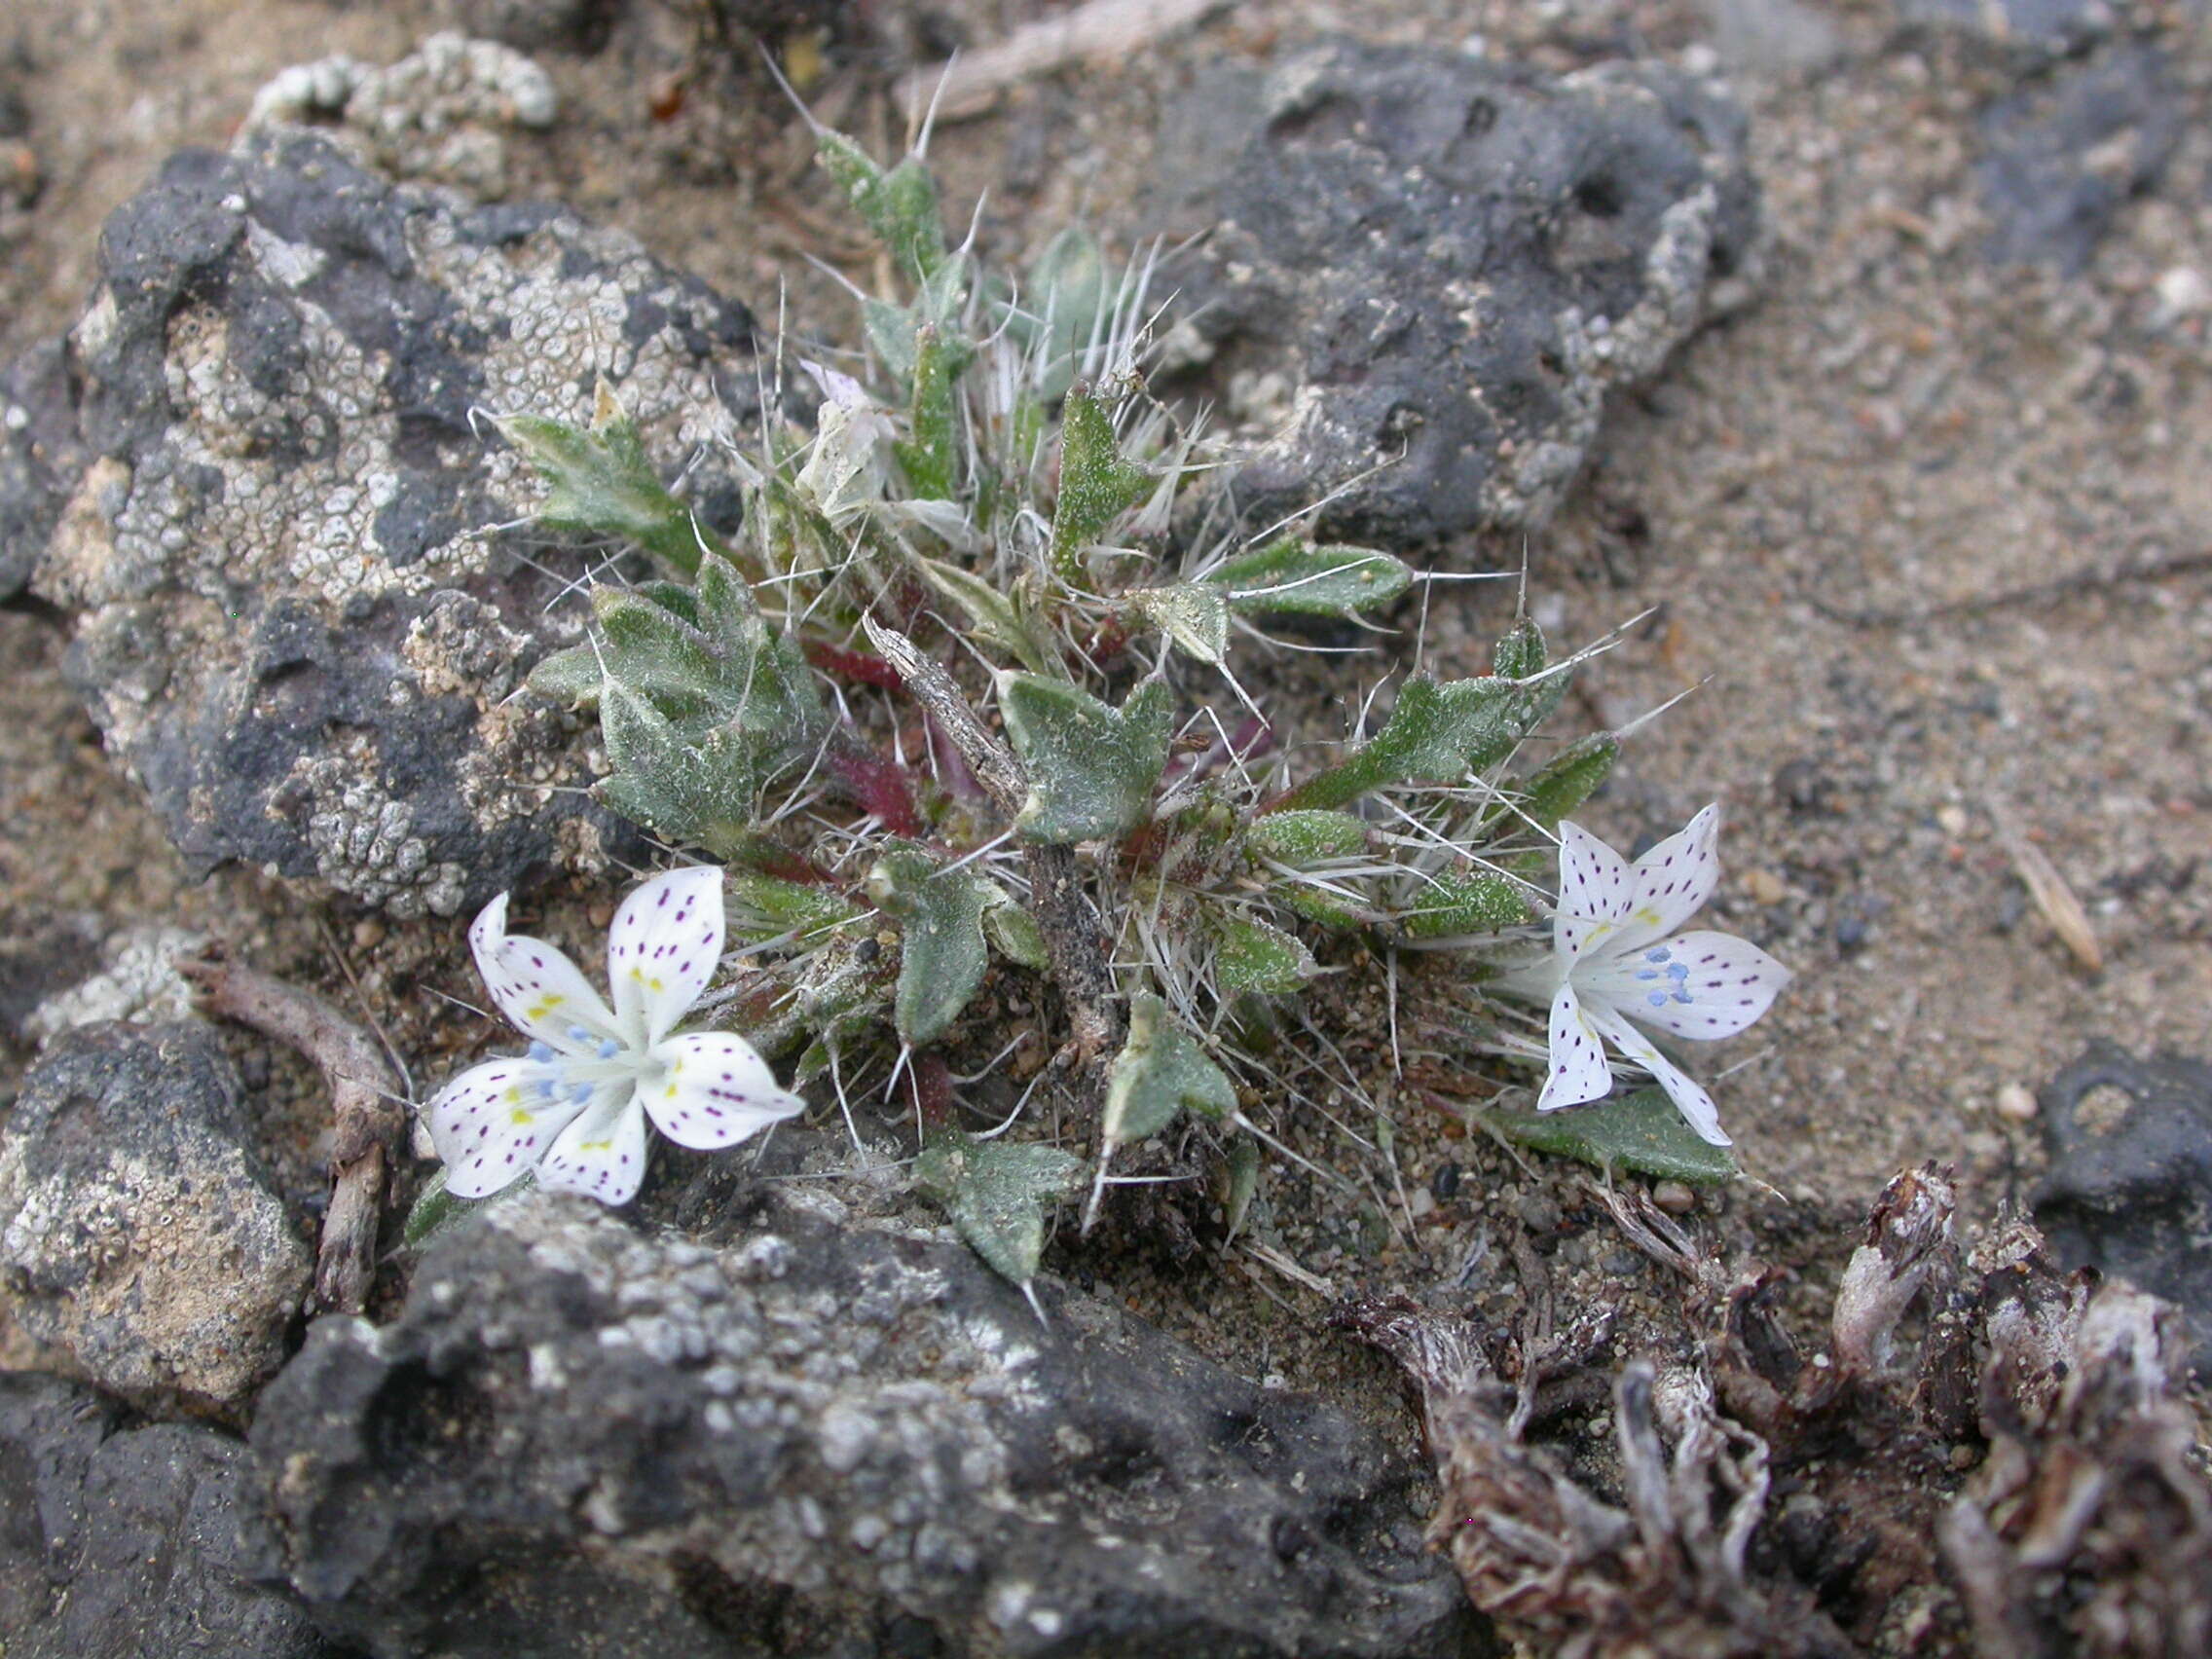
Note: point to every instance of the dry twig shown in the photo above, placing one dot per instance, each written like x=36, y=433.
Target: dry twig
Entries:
x=362, y=1092
x=1103, y=31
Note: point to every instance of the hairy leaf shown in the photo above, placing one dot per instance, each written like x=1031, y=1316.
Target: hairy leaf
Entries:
x=603, y=483
x=1161, y=1070
x=996, y=1193
x=765, y=907
x=1300, y=838
x=901, y=207
x=1249, y=955
x=1091, y=767
x=1436, y=731
x=1466, y=902
x=1097, y=485
x=1640, y=1131
x=1291, y=576
x=1015, y=935
x=1568, y=779
x=943, y=954
x=1191, y=614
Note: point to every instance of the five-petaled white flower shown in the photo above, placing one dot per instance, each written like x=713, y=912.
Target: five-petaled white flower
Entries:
x=575, y=1107
x=1615, y=958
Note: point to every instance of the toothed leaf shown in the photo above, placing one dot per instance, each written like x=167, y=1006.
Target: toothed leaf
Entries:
x=600, y=482
x=1161, y=1071
x=1096, y=484
x=996, y=1193
x=1091, y=767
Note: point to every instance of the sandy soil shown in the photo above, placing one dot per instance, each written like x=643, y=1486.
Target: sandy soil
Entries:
x=1830, y=504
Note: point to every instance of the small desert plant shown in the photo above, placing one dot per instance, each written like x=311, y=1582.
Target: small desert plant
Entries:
x=966, y=686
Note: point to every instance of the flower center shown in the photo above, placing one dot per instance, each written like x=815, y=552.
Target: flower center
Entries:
x=575, y=1075
x=1667, y=978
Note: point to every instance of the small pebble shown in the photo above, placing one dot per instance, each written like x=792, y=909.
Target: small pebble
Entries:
x=2016, y=1103
x=1420, y=1203
x=600, y=912
x=1443, y=1182
x=1766, y=887
x=1851, y=932
x=1952, y=819
x=1675, y=1198
x=368, y=933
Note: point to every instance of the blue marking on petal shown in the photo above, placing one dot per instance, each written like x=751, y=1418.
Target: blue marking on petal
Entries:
x=1679, y=971
x=1659, y=954
x=1648, y=973
x=1683, y=996
x=1657, y=999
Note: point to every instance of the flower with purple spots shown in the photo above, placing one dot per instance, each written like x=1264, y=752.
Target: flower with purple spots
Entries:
x=1616, y=962
x=575, y=1107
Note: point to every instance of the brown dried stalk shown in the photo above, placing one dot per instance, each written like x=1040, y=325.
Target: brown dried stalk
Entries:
x=362, y=1095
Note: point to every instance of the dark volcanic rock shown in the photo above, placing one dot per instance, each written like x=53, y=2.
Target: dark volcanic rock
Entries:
x=1446, y=265
x=2062, y=157
x=287, y=622
x=135, y=1228
x=2133, y=1198
x=120, y=1544
x=41, y=458
x=804, y=1436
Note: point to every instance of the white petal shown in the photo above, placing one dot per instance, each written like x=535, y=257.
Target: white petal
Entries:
x=718, y=1091
x=663, y=947
x=1688, y=1095
x=1595, y=882
x=538, y=989
x=1701, y=984
x=601, y=1154
x=492, y=1122
x=1579, y=1071
x=1674, y=879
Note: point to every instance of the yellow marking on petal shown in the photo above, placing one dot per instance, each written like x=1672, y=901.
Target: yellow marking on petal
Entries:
x=544, y=1006
x=519, y=1116
x=513, y=1093
x=671, y=1094
x=595, y=1146
x=1649, y=915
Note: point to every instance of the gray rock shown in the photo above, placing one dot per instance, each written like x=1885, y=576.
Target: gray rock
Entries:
x=1441, y=267
x=135, y=1228
x=794, y=1434
x=119, y=1543
x=2062, y=156
x=2133, y=1196
x=287, y=622
x=539, y=25
x=2030, y=32
x=41, y=458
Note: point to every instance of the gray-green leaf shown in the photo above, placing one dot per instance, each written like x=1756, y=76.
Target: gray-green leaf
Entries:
x=1640, y=1131
x=1436, y=731
x=942, y=955
x=1161, y=1070
x=996, y=1193
x=1194, y=615
x=1301, y=838
x=1291, y=576
x=1250, y=956
x=1091, y=767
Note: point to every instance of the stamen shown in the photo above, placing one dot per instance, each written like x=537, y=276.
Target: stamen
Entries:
x=609, y=1047
x=540, y=1052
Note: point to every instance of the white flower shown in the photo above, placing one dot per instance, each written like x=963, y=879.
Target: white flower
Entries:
x=1615, y=958
x=575, y=1107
